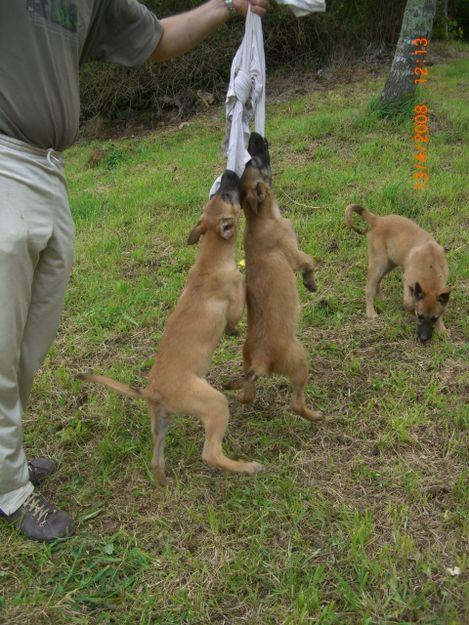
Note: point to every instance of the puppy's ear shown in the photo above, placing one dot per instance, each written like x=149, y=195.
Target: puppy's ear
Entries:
x=443, y=297
x=226, y=227
x=256, y=196
x=196, y=232
x=252, y=200
x=416, y=291
x=261, y=190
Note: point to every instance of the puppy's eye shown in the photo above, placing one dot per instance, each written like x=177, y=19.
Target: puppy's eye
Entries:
x=434, y=318
x=420, y=317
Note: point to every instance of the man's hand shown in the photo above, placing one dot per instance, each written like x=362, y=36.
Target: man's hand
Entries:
x=258, y=6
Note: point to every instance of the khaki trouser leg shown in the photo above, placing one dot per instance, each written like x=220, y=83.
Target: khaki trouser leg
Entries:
x=36, y=249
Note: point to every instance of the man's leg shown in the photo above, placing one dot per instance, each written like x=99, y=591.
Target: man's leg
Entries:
x=18, y=257
x=36, y=247
x=47, y=298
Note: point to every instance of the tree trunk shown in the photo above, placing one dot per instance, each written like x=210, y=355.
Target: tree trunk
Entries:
x=416, y=23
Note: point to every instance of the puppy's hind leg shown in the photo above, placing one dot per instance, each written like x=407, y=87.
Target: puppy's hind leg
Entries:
x=160, y=420
x=378, y=266
x=248, y=388
x=248, y=392
x=203, y=401
x=296, y=368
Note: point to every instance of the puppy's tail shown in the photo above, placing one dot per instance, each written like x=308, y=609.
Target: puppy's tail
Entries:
x=364, y=214
x=124, y=389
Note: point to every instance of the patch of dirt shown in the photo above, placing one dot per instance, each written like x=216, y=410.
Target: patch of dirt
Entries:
x=281, y=86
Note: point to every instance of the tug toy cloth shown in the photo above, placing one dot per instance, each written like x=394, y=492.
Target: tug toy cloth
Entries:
x=245, y=99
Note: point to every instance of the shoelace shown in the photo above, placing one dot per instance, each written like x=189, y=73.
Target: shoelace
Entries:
x=38, y=508
x=31, y=468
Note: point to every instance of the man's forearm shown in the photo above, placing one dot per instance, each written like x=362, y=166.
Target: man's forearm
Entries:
x=183, y=32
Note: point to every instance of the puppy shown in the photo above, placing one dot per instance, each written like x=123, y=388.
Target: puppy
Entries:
x=212, y=302
x=272, y=257
x=393, y=241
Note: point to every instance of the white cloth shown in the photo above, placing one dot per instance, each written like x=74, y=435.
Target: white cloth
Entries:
x=300, y=8
x=245, y=99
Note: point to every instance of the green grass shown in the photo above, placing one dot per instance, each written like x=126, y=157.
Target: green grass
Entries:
x=354, y=522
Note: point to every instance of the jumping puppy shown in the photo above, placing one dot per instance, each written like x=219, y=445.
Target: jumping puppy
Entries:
x=393, y=241
x=272, y=257
x=212, y=302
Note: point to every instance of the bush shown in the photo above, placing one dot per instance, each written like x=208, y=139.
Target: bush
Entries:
x=355, y=26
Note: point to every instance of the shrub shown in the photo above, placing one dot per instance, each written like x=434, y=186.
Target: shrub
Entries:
x=354, y=26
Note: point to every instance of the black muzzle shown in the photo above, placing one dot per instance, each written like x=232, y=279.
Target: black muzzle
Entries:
x=425, y=331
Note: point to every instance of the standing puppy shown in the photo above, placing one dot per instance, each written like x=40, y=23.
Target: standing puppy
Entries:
x=212, y=302
x=393, y=241
x=272, y=257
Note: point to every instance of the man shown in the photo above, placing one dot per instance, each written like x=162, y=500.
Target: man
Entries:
x=42, y=43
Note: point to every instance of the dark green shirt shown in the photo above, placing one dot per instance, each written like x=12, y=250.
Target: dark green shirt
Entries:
x=43, y=43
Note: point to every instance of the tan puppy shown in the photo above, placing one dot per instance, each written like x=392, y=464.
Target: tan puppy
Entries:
x=393, y=241
x=272, y=257
x=211, y=303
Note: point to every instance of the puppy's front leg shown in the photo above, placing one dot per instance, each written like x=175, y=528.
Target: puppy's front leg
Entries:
x=304, y=264
x=301, y=262
x=246, y=384
x=298, y=260
x=236, y=304
x=440, y=326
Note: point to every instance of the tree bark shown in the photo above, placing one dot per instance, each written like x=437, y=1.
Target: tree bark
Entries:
x=416, y=23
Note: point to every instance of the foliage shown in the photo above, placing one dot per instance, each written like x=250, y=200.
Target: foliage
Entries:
x=458, y=12
x=362, y=27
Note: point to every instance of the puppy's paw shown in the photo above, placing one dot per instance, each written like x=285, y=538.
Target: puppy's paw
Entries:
x=253, y=467
x=443, y=330
x=312, y=415
x=160, y=478
x=233, y=384
x=310, y=285
x=306, y=413
x=245, y=396
x=372, y=316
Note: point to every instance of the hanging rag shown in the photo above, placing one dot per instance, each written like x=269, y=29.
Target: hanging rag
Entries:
x=300, y=8
x=245, y=99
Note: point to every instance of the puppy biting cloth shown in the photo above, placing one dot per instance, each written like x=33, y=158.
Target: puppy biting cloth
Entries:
x=245, y=99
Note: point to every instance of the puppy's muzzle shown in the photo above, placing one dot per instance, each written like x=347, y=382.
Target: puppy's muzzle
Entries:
x=425, y=332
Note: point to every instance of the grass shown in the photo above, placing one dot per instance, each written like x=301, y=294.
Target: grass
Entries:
x=355, y=522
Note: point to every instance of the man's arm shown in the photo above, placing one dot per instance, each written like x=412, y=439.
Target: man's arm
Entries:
x=183, y=32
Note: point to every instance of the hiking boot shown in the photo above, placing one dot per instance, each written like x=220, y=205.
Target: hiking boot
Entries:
x=40, y=520
x=39, y=469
